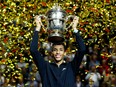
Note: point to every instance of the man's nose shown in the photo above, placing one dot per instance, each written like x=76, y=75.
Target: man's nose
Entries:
x=58, y=51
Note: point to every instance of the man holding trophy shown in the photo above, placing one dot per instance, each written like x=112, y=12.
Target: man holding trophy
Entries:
x=58, y=73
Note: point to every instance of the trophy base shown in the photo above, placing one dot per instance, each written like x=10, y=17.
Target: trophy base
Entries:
x=55, y=39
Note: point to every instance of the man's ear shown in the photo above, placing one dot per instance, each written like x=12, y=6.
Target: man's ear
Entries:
x=65, y=53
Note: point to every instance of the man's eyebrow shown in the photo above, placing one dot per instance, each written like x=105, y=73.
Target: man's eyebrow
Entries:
x=54, y=48
x=61, y=48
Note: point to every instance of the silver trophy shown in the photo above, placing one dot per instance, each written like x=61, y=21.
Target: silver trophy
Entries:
x=56, y=23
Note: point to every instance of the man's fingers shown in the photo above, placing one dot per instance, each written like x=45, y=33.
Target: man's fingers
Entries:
x=75, y=19
x=37, y=18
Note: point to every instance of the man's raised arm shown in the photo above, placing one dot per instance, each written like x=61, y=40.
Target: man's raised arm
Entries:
x=37, y=56
x=81, y=47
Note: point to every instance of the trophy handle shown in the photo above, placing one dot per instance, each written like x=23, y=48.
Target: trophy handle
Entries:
x=39, y=17
x=70, y=16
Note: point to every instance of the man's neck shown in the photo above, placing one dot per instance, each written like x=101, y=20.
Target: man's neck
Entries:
x=59, y=63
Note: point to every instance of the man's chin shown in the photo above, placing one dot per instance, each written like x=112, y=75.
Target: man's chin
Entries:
x=58, y=60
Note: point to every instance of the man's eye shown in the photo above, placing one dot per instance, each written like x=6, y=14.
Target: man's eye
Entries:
x=61, y=49
x=54, y=49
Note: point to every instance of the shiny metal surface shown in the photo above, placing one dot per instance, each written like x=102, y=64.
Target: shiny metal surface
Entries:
x=56, y=23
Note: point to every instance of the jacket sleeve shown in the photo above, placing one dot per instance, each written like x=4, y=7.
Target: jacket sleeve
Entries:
x=37, y=56
x=79, y=53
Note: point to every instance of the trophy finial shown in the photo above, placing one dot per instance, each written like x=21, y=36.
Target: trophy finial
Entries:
x=56, y=6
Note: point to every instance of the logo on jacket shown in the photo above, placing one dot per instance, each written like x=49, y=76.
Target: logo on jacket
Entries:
x=63, y=69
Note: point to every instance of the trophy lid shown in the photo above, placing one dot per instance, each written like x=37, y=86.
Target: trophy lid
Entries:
x=55, y=9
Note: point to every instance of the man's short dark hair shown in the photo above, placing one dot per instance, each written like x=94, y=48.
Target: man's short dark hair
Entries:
x=59, y=43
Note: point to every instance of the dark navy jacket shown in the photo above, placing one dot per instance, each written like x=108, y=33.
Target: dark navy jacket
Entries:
x=51, y=74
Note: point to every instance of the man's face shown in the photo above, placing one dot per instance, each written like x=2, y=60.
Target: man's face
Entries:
x=58, y=52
